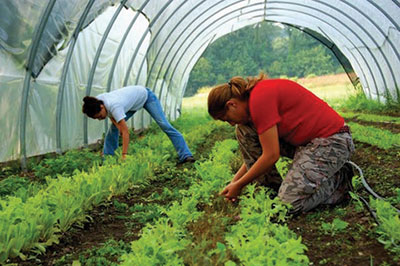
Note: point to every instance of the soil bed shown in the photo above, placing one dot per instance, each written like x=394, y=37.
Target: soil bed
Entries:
x=392, y=127
x=109, y=221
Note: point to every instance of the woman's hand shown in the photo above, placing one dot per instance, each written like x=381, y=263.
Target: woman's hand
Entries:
x=231, y=191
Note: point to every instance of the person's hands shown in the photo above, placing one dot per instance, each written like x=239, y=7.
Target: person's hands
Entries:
x=231, y=191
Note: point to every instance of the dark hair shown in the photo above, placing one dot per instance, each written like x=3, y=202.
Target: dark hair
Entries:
x=237, y=87
x=91, y=106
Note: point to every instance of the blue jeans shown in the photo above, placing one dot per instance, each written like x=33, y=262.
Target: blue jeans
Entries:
x=153, y=106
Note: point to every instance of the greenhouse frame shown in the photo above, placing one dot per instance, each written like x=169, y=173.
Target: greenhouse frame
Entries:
x=53, y=53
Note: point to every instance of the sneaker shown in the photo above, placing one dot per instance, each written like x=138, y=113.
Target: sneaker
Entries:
x=188, y=159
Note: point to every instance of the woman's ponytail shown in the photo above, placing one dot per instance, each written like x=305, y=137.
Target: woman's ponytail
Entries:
x=237, y=87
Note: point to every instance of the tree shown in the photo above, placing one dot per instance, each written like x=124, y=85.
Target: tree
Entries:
x=201, y=76
x=269, y=47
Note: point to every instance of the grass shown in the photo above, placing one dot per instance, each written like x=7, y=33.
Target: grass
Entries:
x=336, y=90
x=331, y=88
x=358, y=102
x=371, y=117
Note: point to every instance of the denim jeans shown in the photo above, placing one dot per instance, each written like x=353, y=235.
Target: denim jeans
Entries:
x=153, y=107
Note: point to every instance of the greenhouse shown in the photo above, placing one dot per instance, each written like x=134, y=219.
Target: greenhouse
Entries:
x=54, y=53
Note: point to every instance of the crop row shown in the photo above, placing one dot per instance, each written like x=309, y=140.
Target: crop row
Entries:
x=371, y=117
x=160, y=242
x=33, y=223
x=388, y=217
x=255, y=239
x=377, y=137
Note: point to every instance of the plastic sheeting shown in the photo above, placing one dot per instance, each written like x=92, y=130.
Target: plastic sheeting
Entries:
x=48, y=63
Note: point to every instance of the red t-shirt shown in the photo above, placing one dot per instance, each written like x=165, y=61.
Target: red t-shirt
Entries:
x=300, y=116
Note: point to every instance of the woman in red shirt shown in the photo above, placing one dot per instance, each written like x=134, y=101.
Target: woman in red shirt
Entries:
x=275, y=117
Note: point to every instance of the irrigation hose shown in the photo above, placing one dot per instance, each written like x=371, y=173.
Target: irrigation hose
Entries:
x=370, y=191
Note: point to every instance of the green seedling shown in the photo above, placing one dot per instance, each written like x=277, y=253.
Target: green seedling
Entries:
x=335, y=227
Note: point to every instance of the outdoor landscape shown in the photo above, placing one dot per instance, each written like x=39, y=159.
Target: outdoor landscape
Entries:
x=75, y=209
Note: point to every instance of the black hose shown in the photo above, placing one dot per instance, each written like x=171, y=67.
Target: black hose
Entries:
x=370, y=191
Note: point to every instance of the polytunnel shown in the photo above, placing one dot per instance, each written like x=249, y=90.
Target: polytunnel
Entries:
x=53, y=53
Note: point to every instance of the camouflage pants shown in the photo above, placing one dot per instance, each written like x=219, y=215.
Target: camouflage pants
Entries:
x=318, y=174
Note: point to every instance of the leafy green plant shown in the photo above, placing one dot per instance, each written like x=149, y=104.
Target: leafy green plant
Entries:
x=146, y=213
x=120, y=206
x=160, y=243
x=356, y=182
x=67, y=164
x=106, y=255
x=371, y=117
x=335, y=227
x=359, y=206
x=360, y=103
x=258, y=239
x=374, y=136
x=36, y=222
x=283, y=165
x=389, y=224
x=12, y=184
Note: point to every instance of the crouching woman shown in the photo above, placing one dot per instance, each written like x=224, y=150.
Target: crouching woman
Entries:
x=278, y=117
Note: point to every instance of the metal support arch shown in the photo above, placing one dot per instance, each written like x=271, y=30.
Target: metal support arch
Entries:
x=141, y=42
x=60, y=95
x=94, y=65
x=372, y=2
x=155, y=37
x=349, y=40
x=179, y=37
x=307, y=14
x=25, y=93
x=117, y=53
x=186, y=49
x=361, y=56
x=346, y=26
x=205, y=28
x=389, y=65
x=189, y=46
x=162, y=45
x=208, y=42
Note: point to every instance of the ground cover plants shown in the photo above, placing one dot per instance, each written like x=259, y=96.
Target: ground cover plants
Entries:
x=150, y=211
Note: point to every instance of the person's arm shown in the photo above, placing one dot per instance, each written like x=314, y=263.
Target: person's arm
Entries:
x=123, y=128
x=114, y=122
x=124, y=131
x=270, y=146
x=242, y=170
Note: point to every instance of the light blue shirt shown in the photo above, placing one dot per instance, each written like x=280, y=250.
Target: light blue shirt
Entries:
x=119, y=102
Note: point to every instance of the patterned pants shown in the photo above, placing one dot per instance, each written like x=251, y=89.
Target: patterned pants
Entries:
x=318, y=174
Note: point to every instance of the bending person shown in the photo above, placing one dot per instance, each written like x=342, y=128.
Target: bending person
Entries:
x=275, y=117
x=119, y=105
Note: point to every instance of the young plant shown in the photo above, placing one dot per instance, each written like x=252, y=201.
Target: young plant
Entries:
x=389, y=224
x=335, y=227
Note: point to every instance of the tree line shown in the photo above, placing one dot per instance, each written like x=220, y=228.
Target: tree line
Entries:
x=269, y=47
